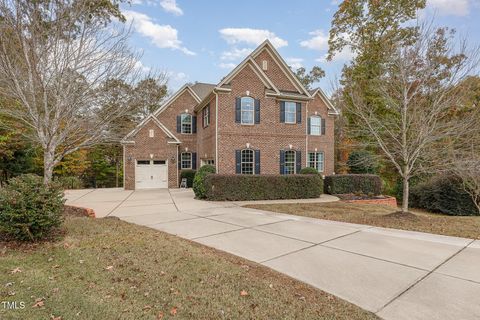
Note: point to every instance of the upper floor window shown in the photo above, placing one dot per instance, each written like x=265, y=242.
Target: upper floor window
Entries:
x=247, y=108
x=186, y=123
x=206, y=116
x=186, y=160
x=290, y=112
x=315, y=126
x=316, y=160
x=289, y=162
x=248, y=162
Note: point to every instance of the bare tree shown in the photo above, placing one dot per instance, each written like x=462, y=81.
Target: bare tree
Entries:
x=412, y=108
x=54, y=58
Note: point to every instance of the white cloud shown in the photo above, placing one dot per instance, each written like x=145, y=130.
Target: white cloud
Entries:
x=295, y=63
x=172, y=7
x=141, y=67
x=227, y=65
x=251, y=36
x=235, y=54
x=319, y=41
x=345, y=55
x=449, y=7
x=163, y=36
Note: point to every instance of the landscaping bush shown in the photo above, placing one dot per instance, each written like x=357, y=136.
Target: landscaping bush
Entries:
x=308, y=170
x=362, y=162
x=29, y=209
x=199, y=180
x=444, y=194
x=262, y=187
x=353, y=183
x=189, y=175
x=70, y=182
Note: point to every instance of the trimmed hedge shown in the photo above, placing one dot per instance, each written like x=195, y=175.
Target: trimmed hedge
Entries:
x=199, y=180
x=308, y=170
x=444, y=194
x=353, y=183
x=221, y=187
x=189, y=174
x=29, y=209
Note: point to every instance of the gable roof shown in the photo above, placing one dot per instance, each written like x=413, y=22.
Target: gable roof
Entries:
x=145, y=121
x=325, y=99
x=202, y=89
x=172, y=98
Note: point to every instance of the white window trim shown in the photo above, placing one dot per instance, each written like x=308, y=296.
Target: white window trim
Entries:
x=294, y=162
x=181, y=123
x=319, y=126
x=252, y=111
x=294, y=112
x=242, y=162
x=309, y=164
x=206, y=117
x=181, y=160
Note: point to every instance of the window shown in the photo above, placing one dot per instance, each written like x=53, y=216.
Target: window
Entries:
x=186, y=160
x=289, y=162
x=151, y=133
x=290, y=112
x=264, y=65
x=143, y=162
x=206, y=116
x=316, y=160
x=208, y=161
x=186, y=123
x=247, y=162
x=247, y=107
x=158, y=162
x=315, y=126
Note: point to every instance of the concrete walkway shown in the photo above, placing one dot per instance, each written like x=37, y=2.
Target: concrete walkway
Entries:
x=395, y=274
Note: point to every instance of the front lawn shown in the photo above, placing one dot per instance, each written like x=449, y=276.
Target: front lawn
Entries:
x=377, y=215
x=109, y=269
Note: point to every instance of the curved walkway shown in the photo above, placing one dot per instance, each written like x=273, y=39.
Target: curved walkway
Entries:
x=395, y=274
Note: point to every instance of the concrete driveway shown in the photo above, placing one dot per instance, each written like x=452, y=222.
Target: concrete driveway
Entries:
x=395, y=274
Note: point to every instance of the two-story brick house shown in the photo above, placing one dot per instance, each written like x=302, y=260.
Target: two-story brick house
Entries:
x=258, y=120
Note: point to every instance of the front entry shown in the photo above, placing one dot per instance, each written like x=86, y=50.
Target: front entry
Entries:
x=150, y=174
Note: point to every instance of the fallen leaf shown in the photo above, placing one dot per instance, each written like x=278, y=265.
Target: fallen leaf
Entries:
x=8, y=284
x=270, y=286
x=55, y=290
x=243, y=293
x=147, y=307
x=66, y=245
x=160, y=315
x=52, y=317
x=50, y=259
x=56, y=266
x=109, y=268
x=173, y=312
x=38, y=303
x=81, y=261
x=16, y=270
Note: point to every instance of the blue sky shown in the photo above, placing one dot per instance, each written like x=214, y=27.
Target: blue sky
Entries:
x=194, y=40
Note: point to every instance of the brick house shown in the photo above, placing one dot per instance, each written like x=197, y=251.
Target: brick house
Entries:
x=258, y=120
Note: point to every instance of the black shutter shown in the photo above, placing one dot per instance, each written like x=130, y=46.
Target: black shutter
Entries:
x=257, y=161
x=194, y=124
x=238, y=161
x=299, y=112
x=179, y=124
x=298, y=159
x=282, y=162
x=309, y=121
x=203, y=117
x=179, y=160
x=238, y=110
x=282, y=111
x=208, y=114
x=323, y=126
x=257, y=111
x=194, y=160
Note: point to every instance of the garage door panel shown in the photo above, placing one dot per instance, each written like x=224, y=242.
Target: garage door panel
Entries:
x=151, y=174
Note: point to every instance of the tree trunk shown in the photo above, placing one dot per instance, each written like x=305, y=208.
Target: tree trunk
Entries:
x=48, y=165
x=405, y=195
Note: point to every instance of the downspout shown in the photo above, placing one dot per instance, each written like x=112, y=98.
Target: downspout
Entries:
x=176, y=165
x=306, y=134
x=216, y=131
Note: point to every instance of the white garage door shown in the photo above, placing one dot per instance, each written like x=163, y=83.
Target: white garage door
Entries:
x=151, y=174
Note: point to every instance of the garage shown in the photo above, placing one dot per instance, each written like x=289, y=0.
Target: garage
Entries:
x=151, y=174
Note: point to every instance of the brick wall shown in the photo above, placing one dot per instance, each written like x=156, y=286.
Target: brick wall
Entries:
x=274, y=72
x=206, y=136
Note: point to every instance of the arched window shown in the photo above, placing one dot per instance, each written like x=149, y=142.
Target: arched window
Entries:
x=186, y=123
x=247, y=107
x=289, y=162
x=248, y=162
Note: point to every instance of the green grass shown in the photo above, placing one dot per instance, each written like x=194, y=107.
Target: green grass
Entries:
x=381, y=216
x=151, y=274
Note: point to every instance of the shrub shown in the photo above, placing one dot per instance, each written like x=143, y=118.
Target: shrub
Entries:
x=189, y=175
x=444, y=194
x=199, y=180
x=29, y=209
x=353, y=183
x=262, y=187
x=362, y=162
x=70, y=182
x=308, y=170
